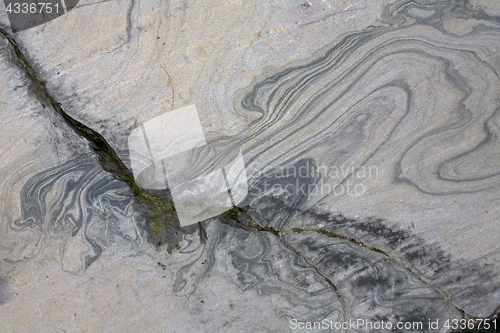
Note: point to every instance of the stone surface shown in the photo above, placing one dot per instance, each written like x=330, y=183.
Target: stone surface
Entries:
x=369, y=131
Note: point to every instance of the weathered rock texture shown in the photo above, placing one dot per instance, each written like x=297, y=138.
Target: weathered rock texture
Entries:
x=369, y=131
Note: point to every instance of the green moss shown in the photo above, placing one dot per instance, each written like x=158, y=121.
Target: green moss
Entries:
x=233, y=213
x=332, y=235
x=350, y=239
x=160, y=211
x=161, y=215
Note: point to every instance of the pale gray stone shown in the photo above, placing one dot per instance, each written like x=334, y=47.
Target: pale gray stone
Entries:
x=369, y=131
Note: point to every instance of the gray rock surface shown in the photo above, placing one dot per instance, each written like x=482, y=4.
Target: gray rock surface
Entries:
x=369, y=131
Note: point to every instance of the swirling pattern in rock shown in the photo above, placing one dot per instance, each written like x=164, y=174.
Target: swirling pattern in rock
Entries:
x=373, y=169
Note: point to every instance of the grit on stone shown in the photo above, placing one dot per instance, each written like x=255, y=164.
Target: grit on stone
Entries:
x=369, y=132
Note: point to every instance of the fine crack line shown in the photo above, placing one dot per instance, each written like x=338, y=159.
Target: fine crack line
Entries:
x=55, y=146
x=162, y=209
x=320, y=273
x=171, y=86
x=233, y=215
x=129, y=20
x=128, y=28
x=395, y=260
x=324, y=232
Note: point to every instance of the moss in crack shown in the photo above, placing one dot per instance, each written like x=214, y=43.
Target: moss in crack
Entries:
x=160, y=211
x=331, y=234
x=350, y=239
x=162, y=218
x=161, y=215
x=242, y=217
x=233, y=213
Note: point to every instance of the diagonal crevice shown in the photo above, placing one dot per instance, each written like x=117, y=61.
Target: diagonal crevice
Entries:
x=250, y=225
x=161, y=211
x=328, y=280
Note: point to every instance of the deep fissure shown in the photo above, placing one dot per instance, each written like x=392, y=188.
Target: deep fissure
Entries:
x=162, y=211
